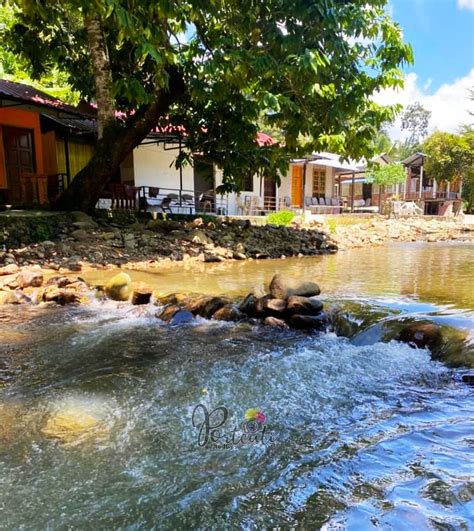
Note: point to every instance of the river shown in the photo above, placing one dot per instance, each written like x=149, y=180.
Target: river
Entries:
x=358, y=437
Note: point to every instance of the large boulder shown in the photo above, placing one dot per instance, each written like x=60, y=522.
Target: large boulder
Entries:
x=118, y=288
x=304, y=305
x=27, y=278
x=167, y=313
x=9, y=269
x=253, y=305
x=282, y=287
x=141, y=295
x=61, y=296
x=228, y=313
x=274, y=306
x=213, y=305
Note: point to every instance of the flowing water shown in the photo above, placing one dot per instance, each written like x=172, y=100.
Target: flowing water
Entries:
x=357, y=437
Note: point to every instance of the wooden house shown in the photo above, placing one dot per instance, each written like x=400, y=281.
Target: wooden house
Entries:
x=44, y=143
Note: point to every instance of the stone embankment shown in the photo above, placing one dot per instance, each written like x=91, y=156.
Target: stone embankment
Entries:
x=70, y=242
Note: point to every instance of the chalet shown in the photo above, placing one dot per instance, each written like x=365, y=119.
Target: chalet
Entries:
x=436, y=197
x=44, y=143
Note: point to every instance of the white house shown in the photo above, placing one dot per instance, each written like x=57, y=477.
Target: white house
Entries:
x=317, y=182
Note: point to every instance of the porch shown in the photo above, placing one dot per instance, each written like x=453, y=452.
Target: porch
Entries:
x=162, y=200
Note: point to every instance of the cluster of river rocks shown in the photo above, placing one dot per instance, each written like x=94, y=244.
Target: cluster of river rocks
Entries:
x=289, y=304
x=72, y=240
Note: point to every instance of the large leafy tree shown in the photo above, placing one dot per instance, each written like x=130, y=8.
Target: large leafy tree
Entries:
x=415, y=120
x=451, y=157
x=308, y=67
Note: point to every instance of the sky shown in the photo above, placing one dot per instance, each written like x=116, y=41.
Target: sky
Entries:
x=441, y=33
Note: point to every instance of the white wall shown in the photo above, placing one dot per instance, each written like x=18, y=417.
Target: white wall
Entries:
x=153, y=166
x=233, y=199
x=285, y=188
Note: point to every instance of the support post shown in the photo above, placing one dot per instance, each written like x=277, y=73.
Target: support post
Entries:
x=304, y=184
x=421, y=181
x=180, y=176
x=352, y=191
x=66, y=157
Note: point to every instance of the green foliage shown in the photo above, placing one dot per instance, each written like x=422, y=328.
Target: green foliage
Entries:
x=14, y=67
x=309, y=69
x=451, y=157
x=283, y=217
x=387, y=175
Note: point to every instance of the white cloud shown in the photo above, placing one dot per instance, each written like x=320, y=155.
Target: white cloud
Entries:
x=467, y=4
x=449, y=104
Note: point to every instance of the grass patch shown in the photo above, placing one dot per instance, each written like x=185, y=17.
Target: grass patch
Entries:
x=283, y=217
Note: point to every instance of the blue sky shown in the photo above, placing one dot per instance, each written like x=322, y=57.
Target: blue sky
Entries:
x=442, y=35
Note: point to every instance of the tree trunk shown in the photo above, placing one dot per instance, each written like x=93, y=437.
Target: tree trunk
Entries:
x=102, y=72
x=117, y=142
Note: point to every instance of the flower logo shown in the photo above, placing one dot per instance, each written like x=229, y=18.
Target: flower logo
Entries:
x=253, y=414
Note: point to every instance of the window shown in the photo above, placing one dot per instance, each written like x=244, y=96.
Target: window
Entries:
x=247, y=182
x=319, y=182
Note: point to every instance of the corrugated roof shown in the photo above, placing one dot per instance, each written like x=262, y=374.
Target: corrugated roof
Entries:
x=415, y=160
x=26, y=94
x=78, y=124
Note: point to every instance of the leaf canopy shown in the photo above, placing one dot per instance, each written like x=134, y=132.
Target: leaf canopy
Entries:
x=307, y=69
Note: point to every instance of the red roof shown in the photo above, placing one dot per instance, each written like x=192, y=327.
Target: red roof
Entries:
x=265, y=140
x=27, y=94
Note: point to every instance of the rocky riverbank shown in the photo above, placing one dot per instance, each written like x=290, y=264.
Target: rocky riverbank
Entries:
x=352, y=232
x=70, y=242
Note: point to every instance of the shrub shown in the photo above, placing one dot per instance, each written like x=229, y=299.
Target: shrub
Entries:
x=284, y=217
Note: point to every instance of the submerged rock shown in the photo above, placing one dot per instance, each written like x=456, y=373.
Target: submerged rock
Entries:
x=118, y=287
x=282, y=287
x=275, y=322
x=309, y=322
x=422, y=335
x=73, y=425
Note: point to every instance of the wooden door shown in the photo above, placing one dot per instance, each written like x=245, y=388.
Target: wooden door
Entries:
x=297, y=186
x=19, y=158
x=269, y=194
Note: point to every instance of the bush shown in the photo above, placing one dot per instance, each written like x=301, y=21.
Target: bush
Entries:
x=284, y=217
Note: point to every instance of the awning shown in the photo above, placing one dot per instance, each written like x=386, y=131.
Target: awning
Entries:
x=330, y=163
x=356, y=180
x=79, y=125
